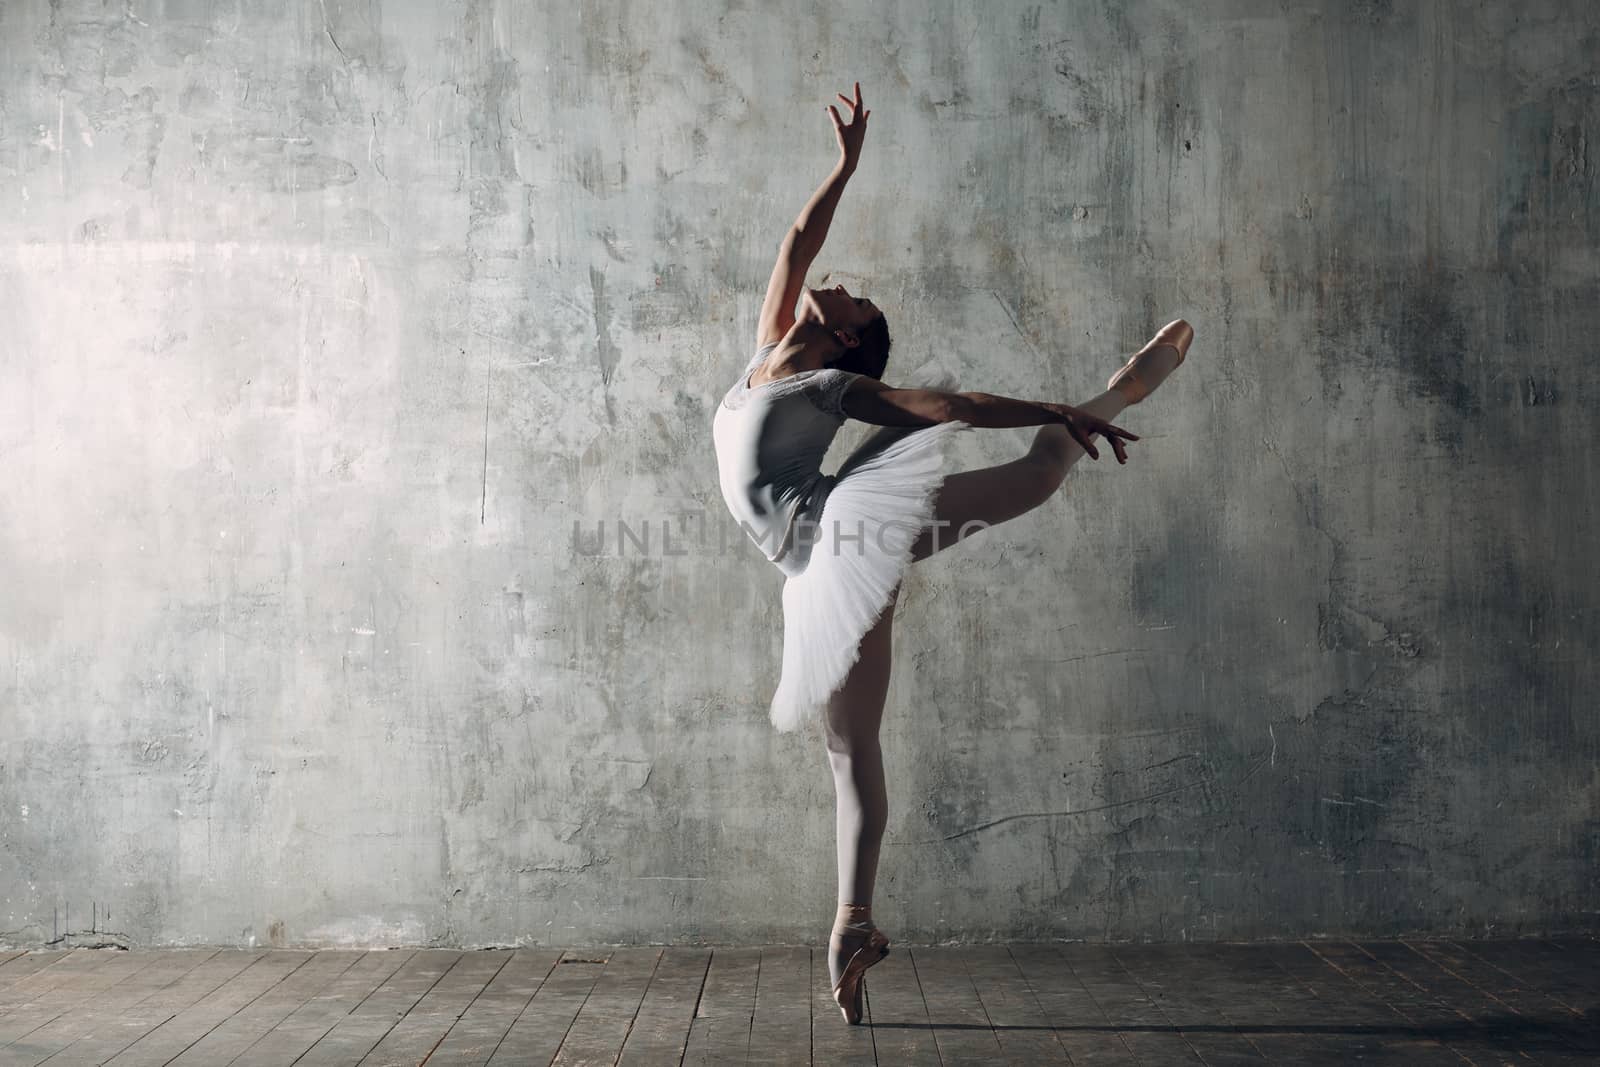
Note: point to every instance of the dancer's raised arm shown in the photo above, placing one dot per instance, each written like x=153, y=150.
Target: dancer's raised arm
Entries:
x=870, y=400
x=810, y=228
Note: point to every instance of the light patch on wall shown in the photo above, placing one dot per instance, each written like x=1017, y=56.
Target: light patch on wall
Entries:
x=368, y=931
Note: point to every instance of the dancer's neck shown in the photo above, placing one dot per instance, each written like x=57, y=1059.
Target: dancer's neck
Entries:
x=809, y=345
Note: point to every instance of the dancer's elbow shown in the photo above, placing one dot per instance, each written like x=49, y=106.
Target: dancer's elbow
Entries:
x=931, y=406
x=958, y=407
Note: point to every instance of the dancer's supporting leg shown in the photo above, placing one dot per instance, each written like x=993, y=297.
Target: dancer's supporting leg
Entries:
x=855, y=711
x=853, y=716
x=993, y=495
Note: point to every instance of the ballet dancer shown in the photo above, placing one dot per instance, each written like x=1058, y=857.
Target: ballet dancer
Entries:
x=843, y=541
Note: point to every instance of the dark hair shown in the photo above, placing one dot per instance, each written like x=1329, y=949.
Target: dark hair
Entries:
x=872, y=354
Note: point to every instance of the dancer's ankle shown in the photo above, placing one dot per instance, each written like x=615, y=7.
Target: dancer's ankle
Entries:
x=852, y=915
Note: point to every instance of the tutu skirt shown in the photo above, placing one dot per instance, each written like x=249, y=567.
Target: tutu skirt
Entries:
x=882, y=498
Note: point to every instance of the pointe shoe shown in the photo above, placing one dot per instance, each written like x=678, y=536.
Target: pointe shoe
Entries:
x=847, y=994
x=1177, y=335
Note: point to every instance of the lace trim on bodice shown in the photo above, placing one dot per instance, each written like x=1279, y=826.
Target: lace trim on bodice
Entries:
x=824, y=386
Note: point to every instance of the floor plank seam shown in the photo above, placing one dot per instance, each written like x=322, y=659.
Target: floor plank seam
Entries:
x=462, y=1014
x=401, y=1017
x=1121, y=1037
x=556, y=1055
x=755, y=999
x=1416, y=1030
x=522, y=1011
x=1438, y=1000
x=927, y=1016
x=237, y=1010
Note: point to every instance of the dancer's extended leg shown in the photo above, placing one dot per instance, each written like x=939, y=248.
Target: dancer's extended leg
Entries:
x=851, y=721
x=975, y=500
x=993, y=495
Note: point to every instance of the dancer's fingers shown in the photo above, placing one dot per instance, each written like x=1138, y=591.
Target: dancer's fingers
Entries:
x=1082, y=438
x=1117, y=447
x=837, y=124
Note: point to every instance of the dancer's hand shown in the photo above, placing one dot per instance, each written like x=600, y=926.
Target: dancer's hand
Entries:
x=850, y=136
x=1083, y=426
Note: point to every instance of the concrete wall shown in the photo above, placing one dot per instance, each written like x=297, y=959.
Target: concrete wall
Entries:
x=325, y=324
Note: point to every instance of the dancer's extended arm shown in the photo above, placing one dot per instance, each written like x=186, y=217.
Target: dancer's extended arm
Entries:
x=810, y=228
x=872, y=401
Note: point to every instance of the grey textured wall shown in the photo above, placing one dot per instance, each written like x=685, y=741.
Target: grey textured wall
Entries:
x=325, y=324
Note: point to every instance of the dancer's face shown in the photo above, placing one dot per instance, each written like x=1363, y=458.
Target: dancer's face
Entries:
x=838, y=309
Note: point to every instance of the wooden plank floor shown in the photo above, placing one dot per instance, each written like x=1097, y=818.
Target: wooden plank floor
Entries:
x=1319, y=1002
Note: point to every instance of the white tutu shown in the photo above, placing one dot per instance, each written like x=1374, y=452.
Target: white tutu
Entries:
x=882, y=498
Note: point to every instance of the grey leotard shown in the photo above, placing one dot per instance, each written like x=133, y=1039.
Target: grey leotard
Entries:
x=770, y=442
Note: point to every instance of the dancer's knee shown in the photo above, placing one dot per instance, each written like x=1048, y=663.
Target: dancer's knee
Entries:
x=1046, y=469
x=1053, y=444
x=850, y=754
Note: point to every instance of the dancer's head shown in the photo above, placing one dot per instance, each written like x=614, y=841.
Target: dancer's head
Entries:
x=856, y=325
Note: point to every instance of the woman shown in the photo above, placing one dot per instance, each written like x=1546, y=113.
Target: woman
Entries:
x=844, y=541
